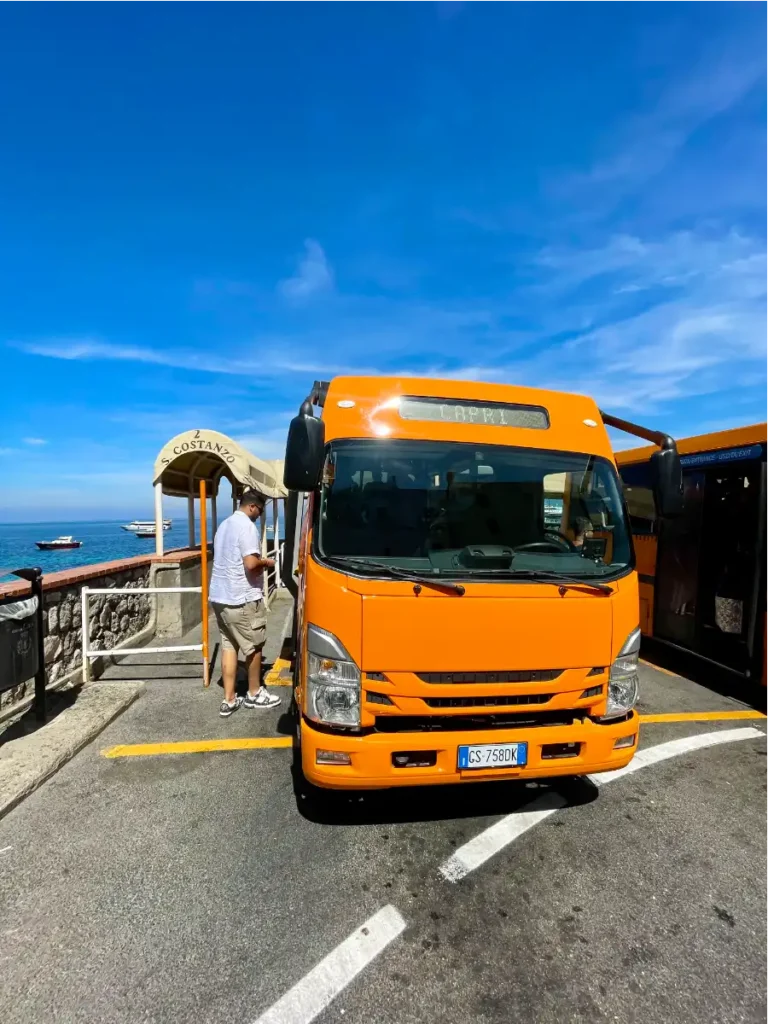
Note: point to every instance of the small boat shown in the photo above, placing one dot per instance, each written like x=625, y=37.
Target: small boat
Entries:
x=59, y=543
x=146, y=524
x=145, y=531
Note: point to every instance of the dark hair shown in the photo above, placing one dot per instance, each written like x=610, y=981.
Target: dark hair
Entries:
x=252, y=497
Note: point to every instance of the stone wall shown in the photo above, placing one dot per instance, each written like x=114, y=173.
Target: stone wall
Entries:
x=114, y=619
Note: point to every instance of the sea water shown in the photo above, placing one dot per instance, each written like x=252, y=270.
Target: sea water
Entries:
x=102, y=542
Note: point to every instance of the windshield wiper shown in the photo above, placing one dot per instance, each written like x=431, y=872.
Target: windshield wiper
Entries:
x=391, y=570
x=545, y=576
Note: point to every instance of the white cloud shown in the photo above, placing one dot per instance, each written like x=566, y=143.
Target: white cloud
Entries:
x=639, y=322
x=34, y=440
x=313, y=276
x=266, y=444
x=93, y=350
x=648, y=142
x=681, y=259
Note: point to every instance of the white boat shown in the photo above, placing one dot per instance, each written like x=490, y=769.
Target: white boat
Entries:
x=60, y=542
x=146, y=531
x=139, y=525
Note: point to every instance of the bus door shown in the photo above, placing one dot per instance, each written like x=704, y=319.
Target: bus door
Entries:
x=710, y=560
x=677, y=568
x=731, y=563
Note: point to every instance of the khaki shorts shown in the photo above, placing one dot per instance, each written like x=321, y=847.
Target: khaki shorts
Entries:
x=243, y=627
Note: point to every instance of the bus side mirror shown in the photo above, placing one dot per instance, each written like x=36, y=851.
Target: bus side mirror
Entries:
x=304, y=453
x=667, y=483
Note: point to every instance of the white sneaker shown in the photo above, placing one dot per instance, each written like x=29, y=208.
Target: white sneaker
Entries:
x=263, y=699
x=229, y=709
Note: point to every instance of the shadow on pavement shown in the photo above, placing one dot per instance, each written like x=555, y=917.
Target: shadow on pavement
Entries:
x=430, y=803
x=28, y=723
x=715, y=678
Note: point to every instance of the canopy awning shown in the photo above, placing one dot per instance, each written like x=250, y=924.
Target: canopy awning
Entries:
x=208, y=455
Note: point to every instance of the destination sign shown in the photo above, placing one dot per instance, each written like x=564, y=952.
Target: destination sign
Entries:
x=488, y=414
x=752, y=451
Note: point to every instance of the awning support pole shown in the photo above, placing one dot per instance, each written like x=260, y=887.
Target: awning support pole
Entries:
x=159, y=518
x=204, y=580
x=214, y=501
x=191, y=520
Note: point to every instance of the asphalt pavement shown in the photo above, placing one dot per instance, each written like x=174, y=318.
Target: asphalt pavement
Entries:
x=196, y=888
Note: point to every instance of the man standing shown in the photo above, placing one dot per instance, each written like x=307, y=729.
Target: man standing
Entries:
x=237, y=597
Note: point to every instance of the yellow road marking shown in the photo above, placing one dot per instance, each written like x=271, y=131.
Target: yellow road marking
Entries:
x=658, y=668
x=280, y=668
x=268, y=742
x=196, y=746
x=702, y=716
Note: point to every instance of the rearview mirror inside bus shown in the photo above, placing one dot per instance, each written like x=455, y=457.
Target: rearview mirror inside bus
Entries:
x=304, y=453
x=667, y=482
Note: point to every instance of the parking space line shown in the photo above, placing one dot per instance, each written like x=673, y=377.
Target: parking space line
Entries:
x=703, y=716
x=673, y=748
x=197, y=746
x=316, y=990
x=493, y=839
x=270, y=742
x=480, y=849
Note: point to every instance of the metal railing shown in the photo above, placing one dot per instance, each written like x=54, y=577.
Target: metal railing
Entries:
x=273, y=577
x=86, y=593
x=272, y=582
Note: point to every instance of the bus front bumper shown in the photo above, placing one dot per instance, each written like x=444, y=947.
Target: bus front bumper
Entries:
x=372, y=757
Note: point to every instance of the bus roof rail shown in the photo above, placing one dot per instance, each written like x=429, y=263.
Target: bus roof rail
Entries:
x=664, y=441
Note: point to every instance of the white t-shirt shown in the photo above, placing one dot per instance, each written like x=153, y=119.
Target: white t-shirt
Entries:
x=230, y=584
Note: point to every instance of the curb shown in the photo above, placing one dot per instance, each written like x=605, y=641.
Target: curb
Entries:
x=29, y=761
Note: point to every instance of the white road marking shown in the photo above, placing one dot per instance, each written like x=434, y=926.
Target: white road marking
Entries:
x=493, y=839
x=320, y=987
x=686, y=744
x=478, y=850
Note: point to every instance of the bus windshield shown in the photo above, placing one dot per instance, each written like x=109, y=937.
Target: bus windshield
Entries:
x=464, y=510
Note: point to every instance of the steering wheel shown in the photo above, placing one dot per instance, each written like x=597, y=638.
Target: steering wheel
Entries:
x=555, y=541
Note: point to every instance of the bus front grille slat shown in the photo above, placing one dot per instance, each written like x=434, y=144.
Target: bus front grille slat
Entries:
x=539, y=675
x=459, y=723
x=486, y=702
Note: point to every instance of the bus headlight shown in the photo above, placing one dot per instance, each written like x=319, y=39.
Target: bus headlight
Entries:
x=333, y=681
x=623, y=686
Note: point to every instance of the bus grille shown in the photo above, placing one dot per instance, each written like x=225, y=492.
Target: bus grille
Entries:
x=541, y=675
x=486, y=702
x=457, y=723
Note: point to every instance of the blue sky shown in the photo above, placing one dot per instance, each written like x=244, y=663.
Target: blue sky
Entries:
x=204, y=207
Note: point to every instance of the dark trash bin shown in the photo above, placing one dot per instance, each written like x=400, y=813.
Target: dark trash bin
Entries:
x=19, y=643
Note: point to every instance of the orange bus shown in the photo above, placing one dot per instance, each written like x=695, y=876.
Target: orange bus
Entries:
x=467, y=603
x=702, y=576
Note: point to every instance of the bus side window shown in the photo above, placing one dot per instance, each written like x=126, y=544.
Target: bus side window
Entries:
x=636, y=482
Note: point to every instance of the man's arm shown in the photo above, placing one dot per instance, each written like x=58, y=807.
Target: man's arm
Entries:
x=250, y=545
x=252, y=562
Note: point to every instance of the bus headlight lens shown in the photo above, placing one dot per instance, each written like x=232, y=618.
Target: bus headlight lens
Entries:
x=333, y=681
x=623, y=688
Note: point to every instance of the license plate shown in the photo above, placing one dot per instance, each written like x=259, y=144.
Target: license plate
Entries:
x=493, y=755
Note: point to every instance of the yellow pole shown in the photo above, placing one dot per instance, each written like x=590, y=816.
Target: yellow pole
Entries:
x=204, y=579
